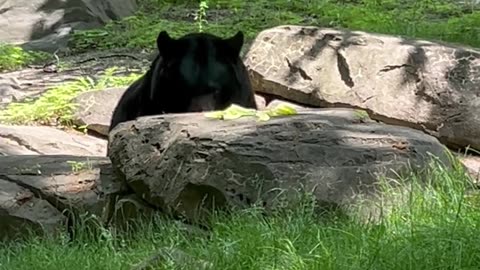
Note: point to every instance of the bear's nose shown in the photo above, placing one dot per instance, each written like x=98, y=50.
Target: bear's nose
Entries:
x=203, y=103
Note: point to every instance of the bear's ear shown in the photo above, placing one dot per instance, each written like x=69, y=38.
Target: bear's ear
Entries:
x=164, y=42
x=235, y=43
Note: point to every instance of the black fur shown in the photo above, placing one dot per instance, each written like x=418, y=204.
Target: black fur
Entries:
x=197, y=72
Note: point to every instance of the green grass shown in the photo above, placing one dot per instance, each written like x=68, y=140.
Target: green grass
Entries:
x=14, y=57
x=432, y=226
x=55, y=106
x=441, y=20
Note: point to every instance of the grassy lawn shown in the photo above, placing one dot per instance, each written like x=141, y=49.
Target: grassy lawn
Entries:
x=444, y=20
x=433, y=226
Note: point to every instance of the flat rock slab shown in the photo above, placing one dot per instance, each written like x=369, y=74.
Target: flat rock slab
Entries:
x=272, y=104
x=415, y=83
x=41, y=140
x=95, y=108
x=37, y=189
x=472, y=164
x=174, y=161
x=16, y=86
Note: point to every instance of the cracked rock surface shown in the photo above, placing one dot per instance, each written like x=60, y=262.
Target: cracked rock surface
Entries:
x=414, y=83
x=181, y=163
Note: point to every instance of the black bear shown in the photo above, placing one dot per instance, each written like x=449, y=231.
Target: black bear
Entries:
x=195, y=73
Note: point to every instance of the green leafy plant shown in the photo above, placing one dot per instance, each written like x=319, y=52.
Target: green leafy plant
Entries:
x=201, y=16
x=14, y=57
x=234, y=112
x=78, y=166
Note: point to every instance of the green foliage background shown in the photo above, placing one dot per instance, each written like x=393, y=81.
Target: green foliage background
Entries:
x=444, y=20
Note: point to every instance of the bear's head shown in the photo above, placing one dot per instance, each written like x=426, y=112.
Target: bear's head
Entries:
x=198, y=72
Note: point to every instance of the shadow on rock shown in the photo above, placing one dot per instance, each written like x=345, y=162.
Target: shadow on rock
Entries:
x=419, y=84
x=183, y=164
x=47, y=24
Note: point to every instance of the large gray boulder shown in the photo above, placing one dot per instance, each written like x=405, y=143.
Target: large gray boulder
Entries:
x=46, y=24
x=181, y=163
x=43, y=140
x=41, y=193
x=415, y=83
x=22, y=213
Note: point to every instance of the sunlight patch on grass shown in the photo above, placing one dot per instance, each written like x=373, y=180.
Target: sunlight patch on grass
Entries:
x=14, y=57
